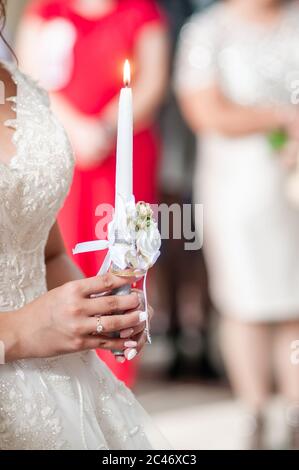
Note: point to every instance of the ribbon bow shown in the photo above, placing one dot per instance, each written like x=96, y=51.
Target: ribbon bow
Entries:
x=121, y=246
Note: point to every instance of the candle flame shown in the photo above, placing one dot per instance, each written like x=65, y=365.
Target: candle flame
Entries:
x=127, y=73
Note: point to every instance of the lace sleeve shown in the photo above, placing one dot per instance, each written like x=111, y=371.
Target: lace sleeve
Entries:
x=37, y=89
x=196, y=59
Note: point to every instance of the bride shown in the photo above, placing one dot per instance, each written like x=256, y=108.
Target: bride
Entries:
x=54, y=391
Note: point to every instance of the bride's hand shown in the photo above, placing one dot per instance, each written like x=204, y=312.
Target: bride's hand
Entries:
x=64, y=319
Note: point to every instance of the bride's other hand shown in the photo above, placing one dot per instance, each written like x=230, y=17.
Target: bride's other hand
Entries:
x=65, y=320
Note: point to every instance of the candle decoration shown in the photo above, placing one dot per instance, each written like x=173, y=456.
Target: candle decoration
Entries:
x=134, y=240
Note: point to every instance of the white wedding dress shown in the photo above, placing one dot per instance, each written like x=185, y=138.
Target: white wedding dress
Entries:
x=67, y=402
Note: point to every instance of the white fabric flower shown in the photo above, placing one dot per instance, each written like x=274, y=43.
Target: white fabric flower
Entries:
x=133, y=241
x=148, y=243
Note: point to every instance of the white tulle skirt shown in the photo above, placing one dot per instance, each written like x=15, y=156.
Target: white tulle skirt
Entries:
x=70, y=402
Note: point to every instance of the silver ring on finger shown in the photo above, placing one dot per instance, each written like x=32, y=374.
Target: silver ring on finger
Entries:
x=99, y=327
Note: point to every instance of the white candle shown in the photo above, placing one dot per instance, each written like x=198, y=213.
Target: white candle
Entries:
x=124, y=152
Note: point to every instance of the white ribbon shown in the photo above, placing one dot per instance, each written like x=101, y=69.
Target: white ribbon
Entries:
x=96, y=245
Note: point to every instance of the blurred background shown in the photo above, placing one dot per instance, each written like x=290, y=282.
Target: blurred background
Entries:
x=218, y=90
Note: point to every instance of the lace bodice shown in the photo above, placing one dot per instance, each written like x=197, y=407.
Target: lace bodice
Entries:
x=32, y=189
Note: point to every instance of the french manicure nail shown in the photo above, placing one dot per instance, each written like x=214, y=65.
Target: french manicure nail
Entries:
x=131, y=354
x=120, y=359
x=130, y=344
x=126, y=333
x=142, y=316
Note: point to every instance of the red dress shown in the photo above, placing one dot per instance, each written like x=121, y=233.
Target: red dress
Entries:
x=101, y=47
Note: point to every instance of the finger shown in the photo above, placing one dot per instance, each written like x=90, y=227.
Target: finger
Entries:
x=138, y=329
x=130, y=332
x=140, y=341
x=116, y=323
x=130, y=354
x=111, y=344
x=141, y=305
x=111, y=304
x=112, y=323
x=104, y=283
x=127, y=333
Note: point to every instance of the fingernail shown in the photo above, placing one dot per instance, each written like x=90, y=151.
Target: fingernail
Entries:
x=130, y=344
x=120, y=359
x=126, y=333
x=142, y=316
x=131, y=354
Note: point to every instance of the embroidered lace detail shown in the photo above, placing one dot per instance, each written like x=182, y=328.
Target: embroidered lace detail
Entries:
x=28, y=422
x=32, y=189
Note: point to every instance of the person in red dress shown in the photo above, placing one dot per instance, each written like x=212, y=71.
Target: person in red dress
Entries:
x=76, y=49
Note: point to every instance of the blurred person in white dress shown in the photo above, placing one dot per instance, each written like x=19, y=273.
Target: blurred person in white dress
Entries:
x=236, y=68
